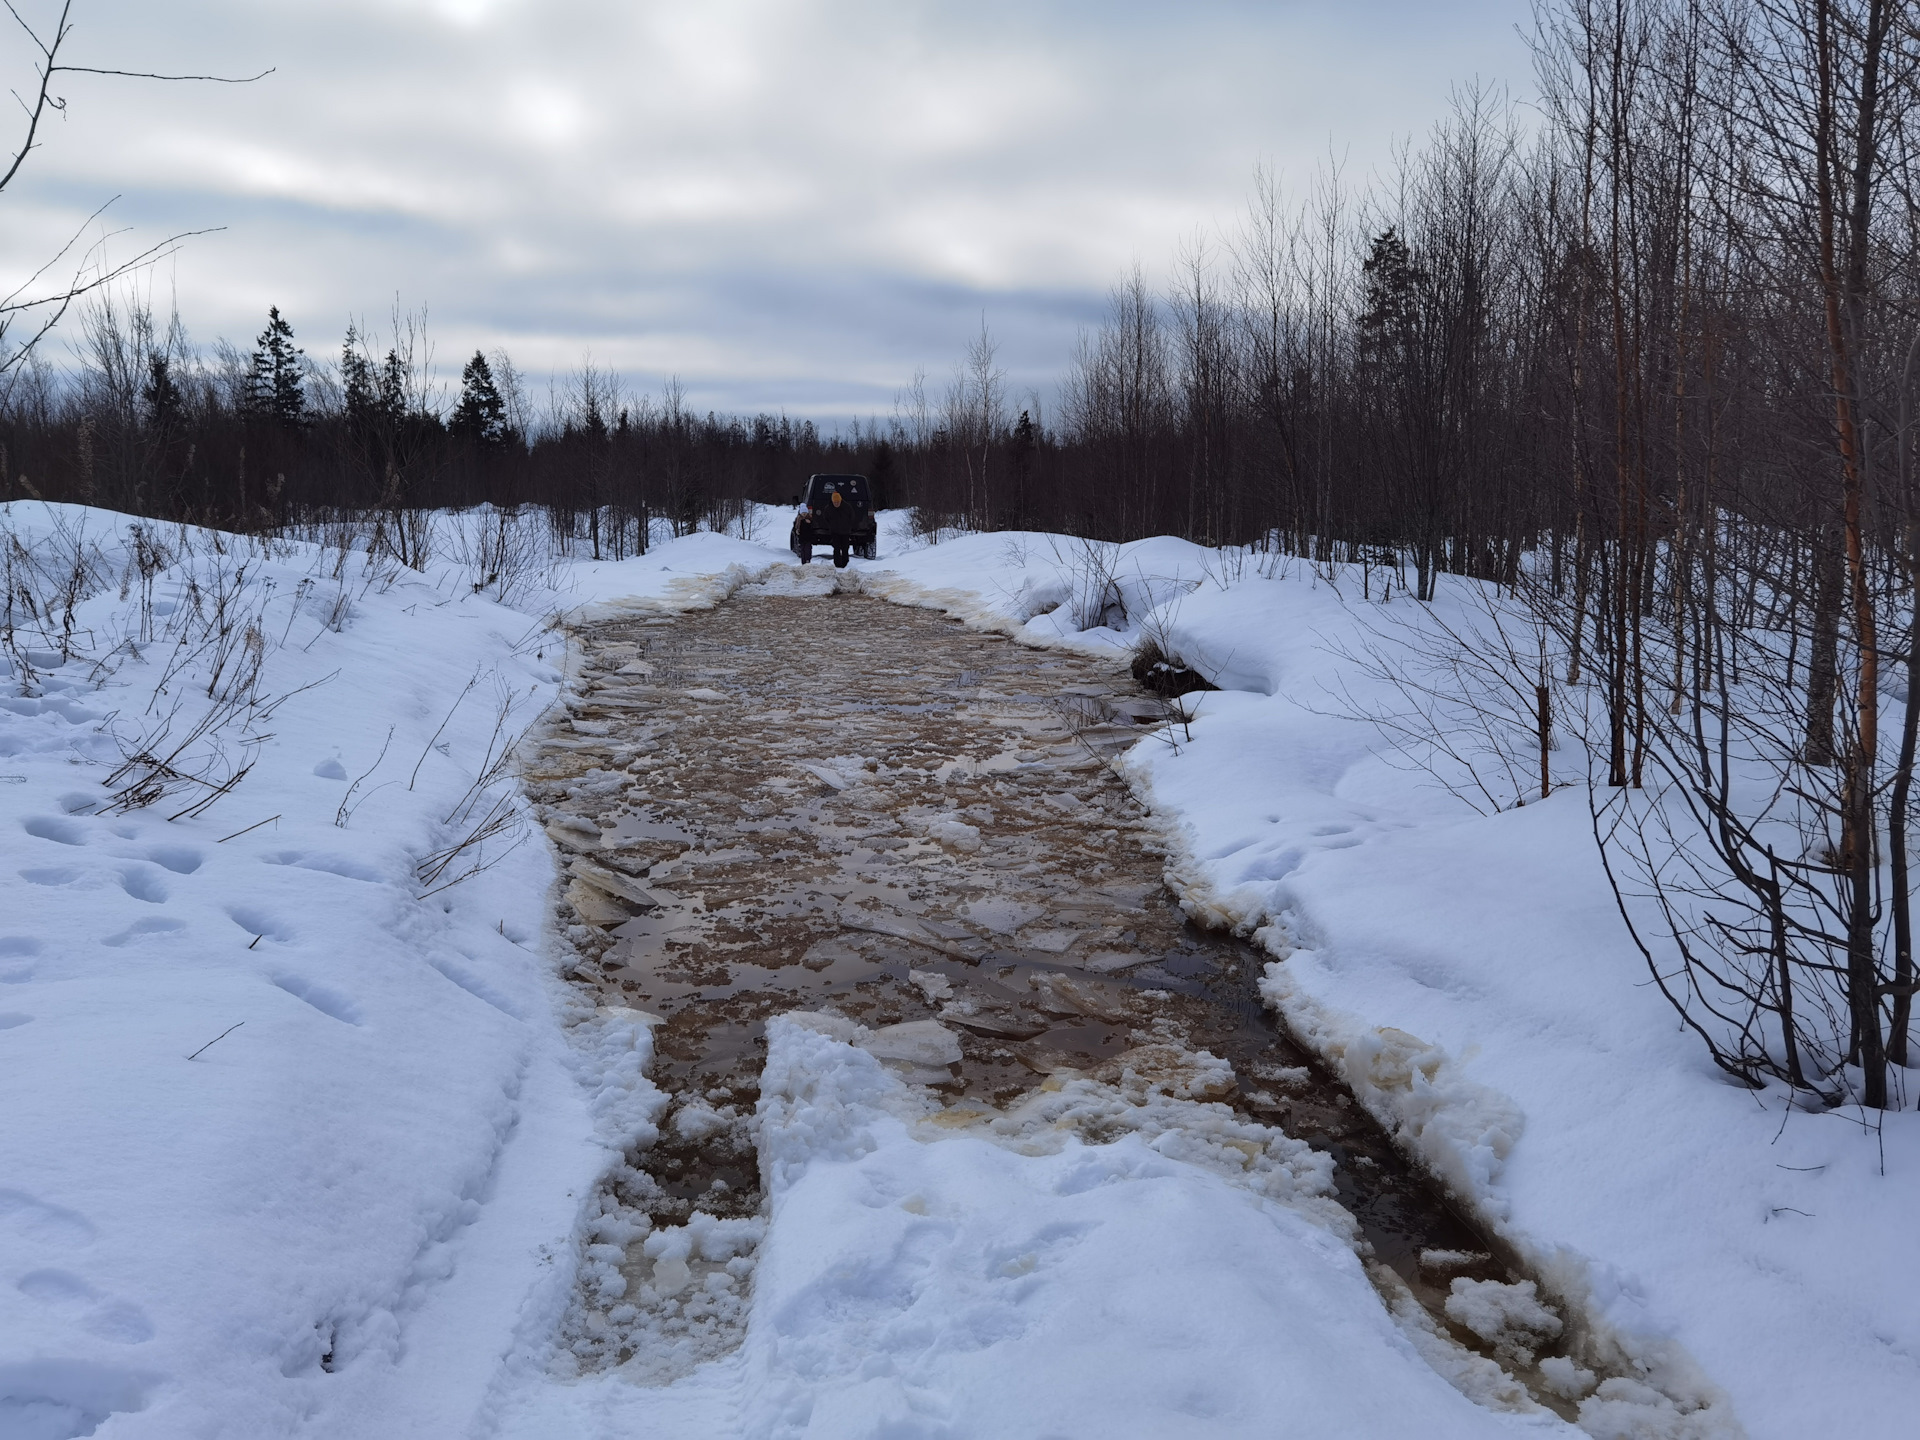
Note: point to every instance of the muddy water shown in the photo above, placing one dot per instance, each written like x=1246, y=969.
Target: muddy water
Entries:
x=836, y=803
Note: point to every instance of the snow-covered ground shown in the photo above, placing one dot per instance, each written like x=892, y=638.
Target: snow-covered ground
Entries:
x=361, y=1213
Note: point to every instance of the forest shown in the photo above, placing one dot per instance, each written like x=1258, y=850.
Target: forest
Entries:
x=1641, y=353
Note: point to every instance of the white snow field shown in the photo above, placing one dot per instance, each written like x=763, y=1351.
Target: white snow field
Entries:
x=361, y=1213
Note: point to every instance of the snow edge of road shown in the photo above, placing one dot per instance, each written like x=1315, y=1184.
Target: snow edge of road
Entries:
x=972, y=610
x=1460, y=1132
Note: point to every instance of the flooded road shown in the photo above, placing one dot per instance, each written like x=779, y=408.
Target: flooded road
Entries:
x=827, y=802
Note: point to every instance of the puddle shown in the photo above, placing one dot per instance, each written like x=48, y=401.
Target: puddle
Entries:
x=839, y=804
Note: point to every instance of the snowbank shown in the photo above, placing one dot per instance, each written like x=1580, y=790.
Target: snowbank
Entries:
x=1469, y=977
x=217, y=1243
x=921, y=1284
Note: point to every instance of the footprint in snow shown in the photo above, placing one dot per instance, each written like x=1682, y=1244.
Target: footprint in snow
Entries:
x=327, y=864
x=16, y=955
x=50, y=827
x=143, y=885
x=259, y=922
x=51, y=875
x=181, y=859
x=29, y=1218
x=120, y=1322
x=75, y=1396
x=327, y=1001
x=54, y=1287
x=146, y=930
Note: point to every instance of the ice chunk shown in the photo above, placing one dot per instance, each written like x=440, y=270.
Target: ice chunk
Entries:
x=1064, y=995
x=1509, y=1317
x=1008, y=1024
x=1566, y=1379
x=595, y=906
x=696, y=1120
x=612, y=882
x=824, y=954
x=1169, y=1070
x=955, y=835
x=671, y=1275
x=1051, y=942
x=919, y=1050
x=820, y=1022
x=1003, y=917
x=931, y=983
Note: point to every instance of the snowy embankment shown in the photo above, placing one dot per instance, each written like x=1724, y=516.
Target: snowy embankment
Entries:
x=1469, y=976
x=229, y=768
x=362, y=1212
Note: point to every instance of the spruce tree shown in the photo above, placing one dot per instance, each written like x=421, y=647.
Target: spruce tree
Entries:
x=164, y=402
x=356, y=378
x=1393, y=282
x=393, y=388
x=482, y=413
x=276, y=388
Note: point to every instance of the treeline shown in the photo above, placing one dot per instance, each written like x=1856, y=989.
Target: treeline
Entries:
x=268, y=437
x=1521, y=335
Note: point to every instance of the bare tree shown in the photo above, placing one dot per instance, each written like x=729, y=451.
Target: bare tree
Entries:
x=39, y=303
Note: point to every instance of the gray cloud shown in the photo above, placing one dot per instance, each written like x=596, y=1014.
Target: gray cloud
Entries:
x=787, y=204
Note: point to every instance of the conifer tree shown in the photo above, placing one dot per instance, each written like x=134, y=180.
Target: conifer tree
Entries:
x=393, y=388
x=482, y=412
x=276, y=388
x=165, y=405
x=1392, y=283
x=356, y=378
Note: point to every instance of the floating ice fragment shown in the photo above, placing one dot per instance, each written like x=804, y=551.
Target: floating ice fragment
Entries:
x=920, y=1050
x=612, y=882
x=955, y=835
x=1050, y=942
x=1064, y=995
x=931, y=983
x=1003, y=917
x=1108, y=962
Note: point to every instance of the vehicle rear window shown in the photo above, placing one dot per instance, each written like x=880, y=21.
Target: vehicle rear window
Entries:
x=852, y=487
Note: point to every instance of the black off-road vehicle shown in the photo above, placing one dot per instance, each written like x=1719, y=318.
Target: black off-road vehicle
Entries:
x=837, y=514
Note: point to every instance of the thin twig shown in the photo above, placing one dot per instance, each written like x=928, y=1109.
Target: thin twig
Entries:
x=238, y=833
x=216, y=1039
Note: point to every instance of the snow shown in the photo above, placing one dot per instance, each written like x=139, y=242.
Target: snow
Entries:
x=208, y=1244
x=921, y=1287
x=1469, y=977
x=367, y=1209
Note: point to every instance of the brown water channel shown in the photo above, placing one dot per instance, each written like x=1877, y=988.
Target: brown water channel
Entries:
x=836, y=803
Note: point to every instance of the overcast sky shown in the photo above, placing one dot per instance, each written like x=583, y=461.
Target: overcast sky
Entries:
x=790, y=204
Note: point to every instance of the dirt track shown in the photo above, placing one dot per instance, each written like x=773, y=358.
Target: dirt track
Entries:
x=827, y=802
